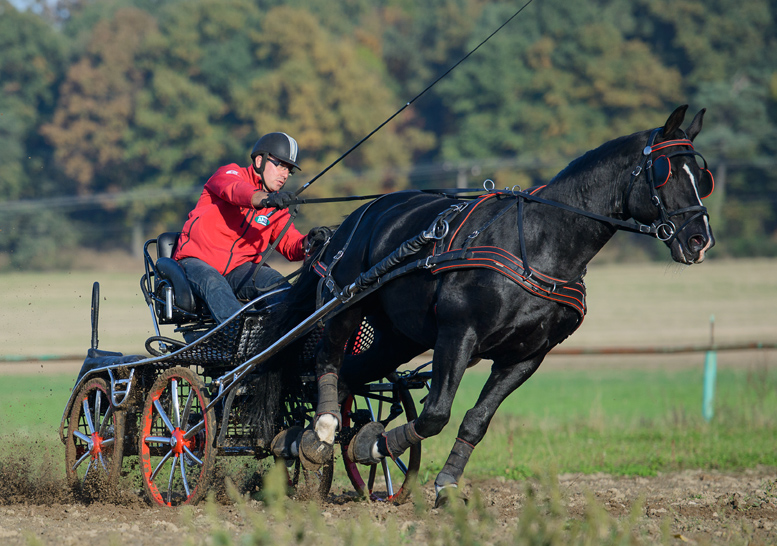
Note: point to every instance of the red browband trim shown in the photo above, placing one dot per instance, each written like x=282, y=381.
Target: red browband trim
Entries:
x=670, y=143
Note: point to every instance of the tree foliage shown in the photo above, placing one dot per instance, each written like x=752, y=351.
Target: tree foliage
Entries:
x=149, y=97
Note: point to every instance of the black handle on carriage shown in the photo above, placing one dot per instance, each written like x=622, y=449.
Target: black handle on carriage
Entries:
x=95, y=312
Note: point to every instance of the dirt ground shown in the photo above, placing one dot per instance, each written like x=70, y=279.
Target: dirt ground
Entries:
x=692, y=507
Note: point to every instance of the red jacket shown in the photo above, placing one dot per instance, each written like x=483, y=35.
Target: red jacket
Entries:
x=225, y=231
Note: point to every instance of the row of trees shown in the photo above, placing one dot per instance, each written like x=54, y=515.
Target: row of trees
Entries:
x=144, y=99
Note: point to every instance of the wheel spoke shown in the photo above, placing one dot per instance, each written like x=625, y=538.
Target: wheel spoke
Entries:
x=183, y=477
x=102, y=462
x=401, y=465
x=84, y=457
x=161, y=464
x=192, y=455
x=187, y=408
x=170, y=482
x=387, y=475
x=176, y=404
x=88, y=417
x=84, y=438
x=158, y=440
x=97, y=404
x=106, y=421
x=108, y=442
x=163, y=416
x=194, y=430
x=88, y=468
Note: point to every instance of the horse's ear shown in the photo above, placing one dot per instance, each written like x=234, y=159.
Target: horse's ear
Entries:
x=675, y=120
x=695, y=127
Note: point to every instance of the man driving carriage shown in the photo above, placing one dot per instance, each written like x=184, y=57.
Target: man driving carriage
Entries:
x=241, y=211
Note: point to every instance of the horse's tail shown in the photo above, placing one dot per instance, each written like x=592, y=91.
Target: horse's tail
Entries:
x=279, y=376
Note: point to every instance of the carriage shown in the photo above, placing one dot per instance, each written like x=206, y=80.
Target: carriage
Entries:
x=186, y=404
x=496, y=276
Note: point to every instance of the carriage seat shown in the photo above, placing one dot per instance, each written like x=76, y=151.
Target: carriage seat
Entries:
x=169, y=273
x=169, y=269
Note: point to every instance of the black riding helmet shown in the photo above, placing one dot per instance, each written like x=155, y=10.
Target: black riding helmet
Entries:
x=280, y=146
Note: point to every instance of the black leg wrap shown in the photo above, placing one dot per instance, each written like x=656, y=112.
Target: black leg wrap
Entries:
x=399, y=439
x=327, y=397
x=454, y=466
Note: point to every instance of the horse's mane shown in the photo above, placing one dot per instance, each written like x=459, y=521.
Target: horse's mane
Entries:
x=586, y=163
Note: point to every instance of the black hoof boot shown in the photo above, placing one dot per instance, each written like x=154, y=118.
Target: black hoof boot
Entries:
x=281, y=444
x=360, y=448
x=313, y=453
x=450, y=495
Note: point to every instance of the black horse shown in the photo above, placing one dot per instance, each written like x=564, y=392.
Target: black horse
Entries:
x=498, y=277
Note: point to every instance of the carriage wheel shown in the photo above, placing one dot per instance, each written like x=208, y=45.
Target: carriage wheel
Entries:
x=176, y=440
x=379, y=481
x=95, y=439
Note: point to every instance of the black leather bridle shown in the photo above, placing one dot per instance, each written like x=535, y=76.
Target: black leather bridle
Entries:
x=664, y=228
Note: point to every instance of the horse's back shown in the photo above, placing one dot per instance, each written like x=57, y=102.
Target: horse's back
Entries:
x=377, y=228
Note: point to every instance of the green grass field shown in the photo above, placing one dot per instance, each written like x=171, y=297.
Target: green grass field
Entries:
x=617, y=421
x=619, y=414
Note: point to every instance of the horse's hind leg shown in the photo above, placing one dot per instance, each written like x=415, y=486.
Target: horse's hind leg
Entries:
x=501, y=382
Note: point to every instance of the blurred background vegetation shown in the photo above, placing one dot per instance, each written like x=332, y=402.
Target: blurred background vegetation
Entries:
x=113, y=113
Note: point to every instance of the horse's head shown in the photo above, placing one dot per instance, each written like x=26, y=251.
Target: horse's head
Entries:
x=667, y=188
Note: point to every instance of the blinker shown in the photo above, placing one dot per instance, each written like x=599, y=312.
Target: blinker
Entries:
x=662, y=171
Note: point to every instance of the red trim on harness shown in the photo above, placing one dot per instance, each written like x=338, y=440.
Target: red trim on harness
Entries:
x=471, y=210
x=320, y=269
x=509, y=265
x=670, y=143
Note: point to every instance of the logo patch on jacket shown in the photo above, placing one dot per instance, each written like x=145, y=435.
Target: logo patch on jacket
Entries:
x=232, y=172
x=262, y=219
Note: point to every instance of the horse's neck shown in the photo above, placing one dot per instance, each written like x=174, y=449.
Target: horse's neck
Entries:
x=561, y=243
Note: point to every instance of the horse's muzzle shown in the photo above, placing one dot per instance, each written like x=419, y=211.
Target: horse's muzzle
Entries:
x=692, y=249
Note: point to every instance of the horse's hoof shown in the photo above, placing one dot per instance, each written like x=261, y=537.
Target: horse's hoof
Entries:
x=449, y=496
x=281, y=444
x=360, y=448
x=313, y=453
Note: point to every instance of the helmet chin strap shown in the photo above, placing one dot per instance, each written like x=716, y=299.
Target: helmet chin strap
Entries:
x=260, y=170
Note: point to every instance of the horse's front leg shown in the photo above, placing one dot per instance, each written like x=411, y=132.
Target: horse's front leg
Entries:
x=503, y=380
x=317, y=445
x=451, y=355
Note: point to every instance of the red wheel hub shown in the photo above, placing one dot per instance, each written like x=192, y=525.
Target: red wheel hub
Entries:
x=179, y=442
x=97, y=444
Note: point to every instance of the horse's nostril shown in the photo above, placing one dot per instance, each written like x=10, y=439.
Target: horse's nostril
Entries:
x=696, y=242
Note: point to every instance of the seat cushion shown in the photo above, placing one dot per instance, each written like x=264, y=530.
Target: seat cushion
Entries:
x=169, y=269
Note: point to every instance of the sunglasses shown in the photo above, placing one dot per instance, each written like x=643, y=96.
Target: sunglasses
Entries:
x=280, y=164
x=662, y=171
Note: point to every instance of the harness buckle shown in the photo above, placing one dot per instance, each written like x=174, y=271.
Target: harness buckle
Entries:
x=330, y=284
x=426, y=264
x=636, y=171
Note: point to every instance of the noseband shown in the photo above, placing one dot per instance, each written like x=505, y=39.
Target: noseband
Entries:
x=664, y=229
